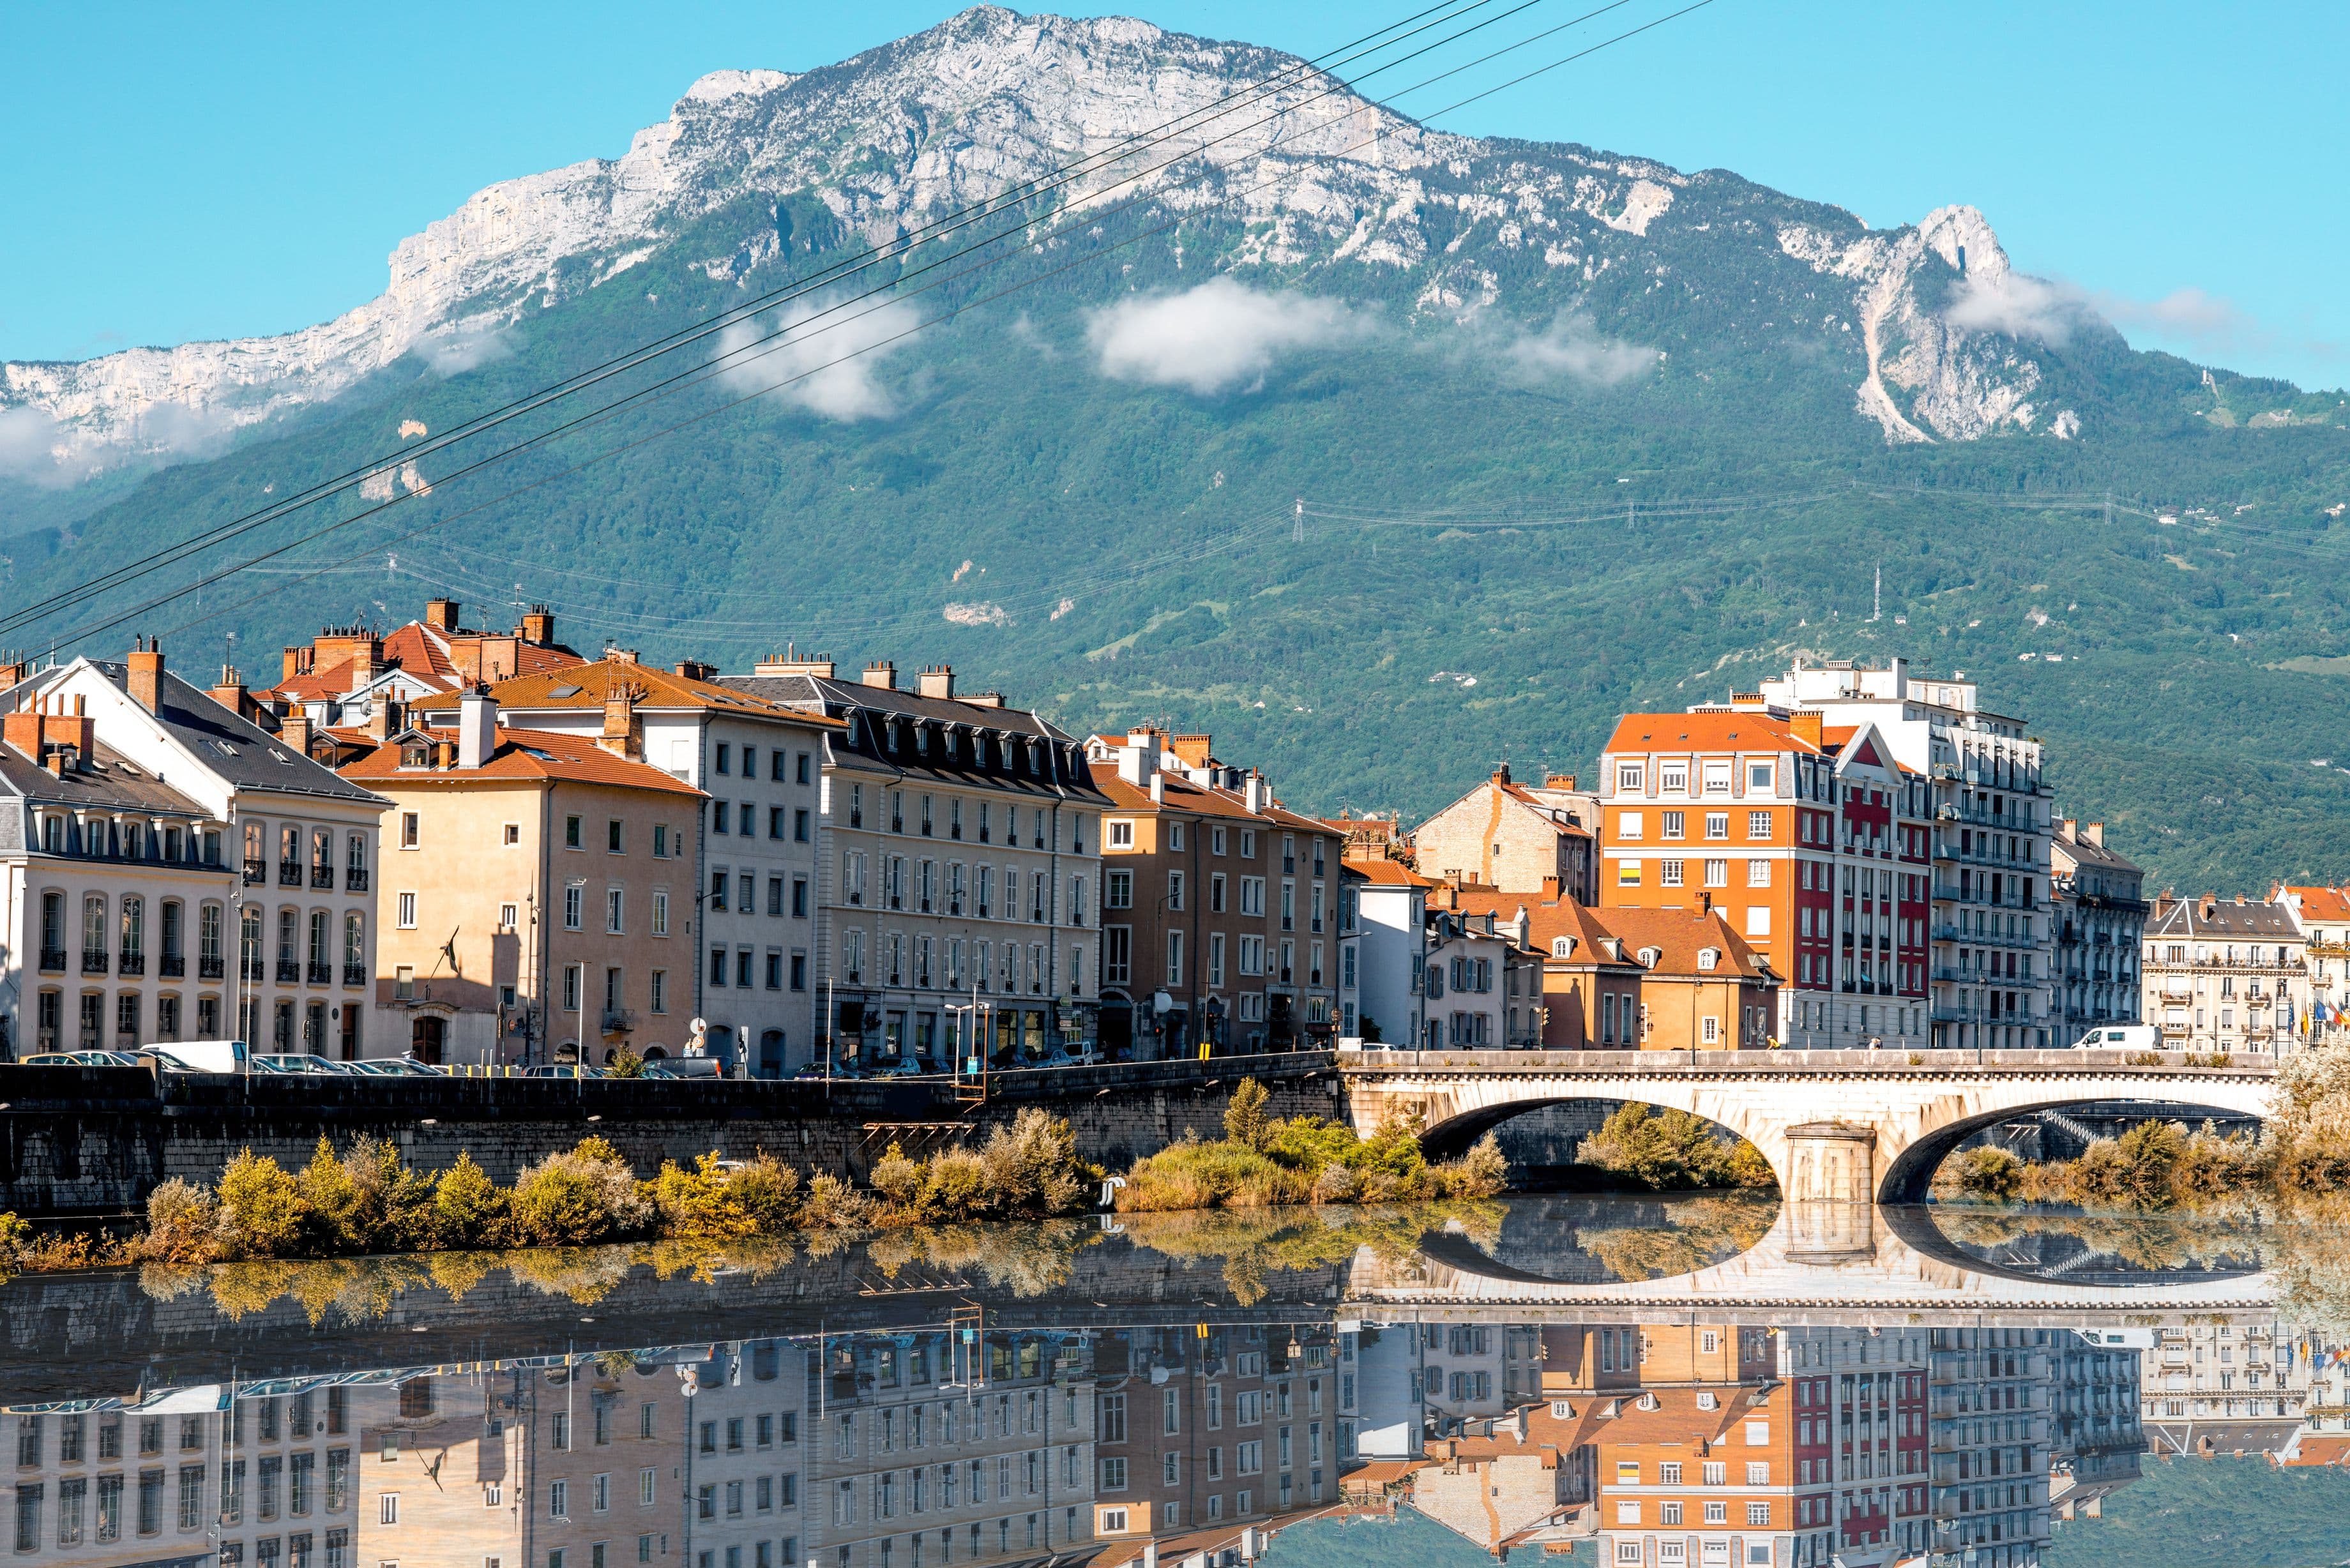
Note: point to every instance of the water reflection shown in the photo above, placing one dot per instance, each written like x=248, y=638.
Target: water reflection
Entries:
x=1661, y=1385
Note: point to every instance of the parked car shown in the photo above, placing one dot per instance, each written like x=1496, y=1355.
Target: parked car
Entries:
x=564, y=1070
x=82, y=1059
x=202, y=1055
x=395, y=1067
x=298, y=1064
x=911, y=1067
x=685, y=1067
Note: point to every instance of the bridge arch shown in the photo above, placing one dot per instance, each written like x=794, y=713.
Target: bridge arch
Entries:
x=1909, y=1175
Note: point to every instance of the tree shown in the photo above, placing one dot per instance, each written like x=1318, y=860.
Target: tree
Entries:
x=1245, y=1121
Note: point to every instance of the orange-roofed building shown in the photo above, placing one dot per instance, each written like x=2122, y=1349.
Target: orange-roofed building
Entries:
x=1811, y=840
x=1537, y=840
x=1221, y=925
x=2324, y=914
x=347, y=690
x=1627, y=979
x=537, y=896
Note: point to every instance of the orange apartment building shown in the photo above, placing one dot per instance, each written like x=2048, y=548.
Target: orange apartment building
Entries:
x=1813, y=841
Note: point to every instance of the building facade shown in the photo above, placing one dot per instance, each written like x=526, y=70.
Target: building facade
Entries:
x=538, y=897
x=1519, y=839
x=958, y=901
x=1219, y=909
x=300, y=935
x=2225, y=975
x=2098, y=905
x=2324, y=916
x=750, y=911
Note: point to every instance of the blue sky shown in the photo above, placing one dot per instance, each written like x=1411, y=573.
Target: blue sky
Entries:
x=171, y=172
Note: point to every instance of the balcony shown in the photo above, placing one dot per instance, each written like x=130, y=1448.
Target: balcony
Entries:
x=355, y=974
x=53, y=960
x=256, y=872
x=618, y=1021
x=355, y=880
x=289, y=873
x=323, y=876
x=93, y=963
x=321, y=973
x=171, y=966
x=214, y=967
x=289, y=971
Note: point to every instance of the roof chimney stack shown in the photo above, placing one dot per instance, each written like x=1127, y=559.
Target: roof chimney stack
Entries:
x=477, y=727
x=146, y=679
x=1254, y=795
x=1807, y=727
x=440, y=615
x=620, y=736
x=537, y=628
x=882, y=673
x=2094, y=833
x=939, y=682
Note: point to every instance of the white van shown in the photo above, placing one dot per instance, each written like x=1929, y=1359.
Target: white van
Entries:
x=2115, y=1037
x=202, y=1055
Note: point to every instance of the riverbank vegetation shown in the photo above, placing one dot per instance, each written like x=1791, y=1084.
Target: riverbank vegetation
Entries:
x=1264, y=1162
x=1660, y=1150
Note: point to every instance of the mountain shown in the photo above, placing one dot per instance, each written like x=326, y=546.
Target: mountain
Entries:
x=1075, y=470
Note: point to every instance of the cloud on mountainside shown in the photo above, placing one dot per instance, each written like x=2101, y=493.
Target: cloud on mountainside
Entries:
x=828, y=364
x=1217, y=337
x=2051, y=310
x=1572, y=349
x=28, y=441
x=462, y=348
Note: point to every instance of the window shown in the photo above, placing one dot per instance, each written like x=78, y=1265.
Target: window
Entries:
x=1121, y=834
x=1112, y=1473
x=1717, y=873
x=1758, y=873
x=387, y=1509
x=612, y=836
x=570, y=833
x=1673, y=824
x=1758, y=1514
x=1758, y=825
x=1627, y=778
x=408, y=829
x=660, y=911
x=1669, y=873
x=1717, y=825
x=613, y=910
x=408, y=911
x=574, y=899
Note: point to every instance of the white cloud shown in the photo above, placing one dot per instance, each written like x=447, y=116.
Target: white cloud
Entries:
x=1570, y=348
x=2020, y=306
x=1216, y=336
x=826, y=365
x=29, y=440
x=462, y=348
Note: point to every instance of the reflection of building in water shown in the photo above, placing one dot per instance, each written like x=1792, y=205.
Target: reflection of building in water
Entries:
x=1859, y=1402
x=1236, y=1424
x=947, y=1448
x=190, y=1476
x=2095, y=1438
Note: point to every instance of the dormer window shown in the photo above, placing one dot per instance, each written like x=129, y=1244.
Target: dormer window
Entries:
x=1648, y=957
x=1562, y=947
x=1708, y=957
x=415, y=755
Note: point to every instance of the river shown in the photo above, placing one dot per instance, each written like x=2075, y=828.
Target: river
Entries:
x=1705, y=1382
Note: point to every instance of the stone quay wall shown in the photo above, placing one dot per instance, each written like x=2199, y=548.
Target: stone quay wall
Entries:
x=90, y=1141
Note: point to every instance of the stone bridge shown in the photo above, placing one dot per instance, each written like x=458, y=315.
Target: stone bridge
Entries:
x=1836, y=1126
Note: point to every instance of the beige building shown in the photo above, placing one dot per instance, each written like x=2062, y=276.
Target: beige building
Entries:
x=2225, y=975
x=538, y=898
x=2324, y=916
x=1521, y=838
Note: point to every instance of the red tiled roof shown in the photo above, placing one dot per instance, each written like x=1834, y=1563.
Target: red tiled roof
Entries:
x=587, y=685
x=1640, y=733
x=1390, y=873
x=1182, y=795
x=2319, y=903
x=424, y=653
x=526, y=754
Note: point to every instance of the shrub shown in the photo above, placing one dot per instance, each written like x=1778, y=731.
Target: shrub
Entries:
x=954, y=1186
x=331, y=1200
x=261, y=1209
x=16, y=1235
x=767, y=1191
x=1482, y=1172
x=896, y=1178
x=1669, y=1150
x=468, y=1210
x=625, y=1064
x=1309, y=1143
x=2144, y=1059
x=575, y=1198
x=1031, y=1165
x=1245, y=1122
x=833, y=1204
x=394, y=1212
x=714, y=1203
x=183, y=1225
x=1335, y=1184
x=1988, y=1172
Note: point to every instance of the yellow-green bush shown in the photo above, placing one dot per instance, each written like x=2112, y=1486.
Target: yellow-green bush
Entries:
x=1672, y=1151
x=262, y=1214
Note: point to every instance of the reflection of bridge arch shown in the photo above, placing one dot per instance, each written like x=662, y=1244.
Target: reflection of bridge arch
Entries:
x=1907, y=1176
x=1884, y=1115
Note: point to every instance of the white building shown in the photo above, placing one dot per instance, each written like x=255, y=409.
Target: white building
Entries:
x=187, y=776
x=1992, y=929
x=1391, y=903
x=2225, y=975
x=959, y=898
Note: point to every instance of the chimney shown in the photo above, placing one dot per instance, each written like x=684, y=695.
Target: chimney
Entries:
x=440, y=615
x=620, y=736
x=821, y=666
x=444, y=753
x=13, y=672
x=2094, y=833
x=619, y=655
x=984, y=699
x=1501, y=773
x=1157, y=787
x=537, y=628
x=1524, y=924
x=1558, y=780
x=1550, y=890
x=295, y=731
x=146, y=679
x=297, y=662
x=697, y=670
x=22, y=730
x=1192, y=749
x=1137, y=765
x=477, y=727
x=883, y=674
x=939, y=682
x=1806, y=727
x=1253, y=796
x=387, y=718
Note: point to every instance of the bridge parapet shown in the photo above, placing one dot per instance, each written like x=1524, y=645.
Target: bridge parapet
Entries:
x=1794, y=1064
